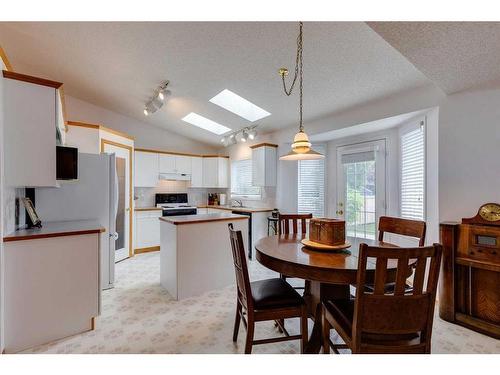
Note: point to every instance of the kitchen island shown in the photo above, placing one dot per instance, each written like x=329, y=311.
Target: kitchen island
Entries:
x=195, y=252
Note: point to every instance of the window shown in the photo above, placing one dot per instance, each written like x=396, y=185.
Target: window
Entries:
x=412, y=204
x=241, y=180
x=311, y=185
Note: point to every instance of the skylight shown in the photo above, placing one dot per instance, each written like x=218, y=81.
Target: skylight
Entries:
x=204, y=123
x=238, y=105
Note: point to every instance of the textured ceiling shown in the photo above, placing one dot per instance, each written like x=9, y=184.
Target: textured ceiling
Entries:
x=454, y=55
x=118, y=65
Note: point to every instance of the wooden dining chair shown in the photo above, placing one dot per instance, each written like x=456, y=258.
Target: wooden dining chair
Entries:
x=289, y=223
x=379, y=322
x=271, y=299
x=403, y=227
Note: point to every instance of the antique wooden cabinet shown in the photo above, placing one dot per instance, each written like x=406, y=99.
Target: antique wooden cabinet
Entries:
x=469, y=290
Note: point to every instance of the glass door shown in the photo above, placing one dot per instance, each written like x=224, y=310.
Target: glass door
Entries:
x=361, y=187
x=123, y=157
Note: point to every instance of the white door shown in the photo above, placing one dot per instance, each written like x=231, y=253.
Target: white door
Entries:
x=123, y=157
x=361, y=191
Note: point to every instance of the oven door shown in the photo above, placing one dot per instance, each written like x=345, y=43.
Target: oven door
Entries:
x=179, y=211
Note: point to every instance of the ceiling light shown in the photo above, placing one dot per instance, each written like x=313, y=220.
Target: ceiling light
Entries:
x=146, y=113
x=301, y=147
x=223, y=139
x=252, y=134
x=244, y=136
x=238, y=105
x=205, y=123
x=156, y=102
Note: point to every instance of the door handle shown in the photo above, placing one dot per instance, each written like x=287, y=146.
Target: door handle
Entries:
x=114, y=235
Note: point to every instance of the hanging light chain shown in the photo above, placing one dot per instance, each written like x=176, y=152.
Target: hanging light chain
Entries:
x=297, y=74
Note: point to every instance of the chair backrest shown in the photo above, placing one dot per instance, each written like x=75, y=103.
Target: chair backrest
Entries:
x=241, y=268
x=404, y=227
x=288, y=223
x=382, y=313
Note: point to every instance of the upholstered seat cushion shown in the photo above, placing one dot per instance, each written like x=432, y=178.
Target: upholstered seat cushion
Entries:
x=273, y=293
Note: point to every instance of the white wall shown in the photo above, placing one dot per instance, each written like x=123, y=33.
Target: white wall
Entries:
x=469, y=152
x=146, y=135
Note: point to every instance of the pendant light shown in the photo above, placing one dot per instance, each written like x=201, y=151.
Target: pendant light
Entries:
x=301, y=147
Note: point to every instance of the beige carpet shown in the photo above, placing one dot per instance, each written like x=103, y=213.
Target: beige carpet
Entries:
x=138, y=316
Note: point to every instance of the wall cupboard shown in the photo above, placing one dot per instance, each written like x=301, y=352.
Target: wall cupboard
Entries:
x=31, y=120
x=205, y=172
x=264, y=164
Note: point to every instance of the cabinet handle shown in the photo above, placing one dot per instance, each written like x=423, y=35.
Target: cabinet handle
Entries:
x=339, y=212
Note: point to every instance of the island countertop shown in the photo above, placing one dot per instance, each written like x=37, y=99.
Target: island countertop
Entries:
x=56, y=229
x=202, y=218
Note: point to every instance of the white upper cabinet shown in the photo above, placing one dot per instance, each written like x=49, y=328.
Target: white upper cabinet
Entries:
x=222, y=172
x=196, y=172
x=146, y=169
x=30, y=120
x=264, y=161
x=167, y=163
x=215, y=172
x=183, y=164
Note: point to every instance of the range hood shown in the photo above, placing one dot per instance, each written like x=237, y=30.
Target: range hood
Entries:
x=175, y=176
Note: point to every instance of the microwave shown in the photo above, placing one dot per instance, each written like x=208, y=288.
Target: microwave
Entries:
x=66, y=163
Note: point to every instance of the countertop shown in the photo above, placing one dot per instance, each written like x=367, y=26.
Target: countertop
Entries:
x=239, y=209
x=147, y=209
x=56, y=229
x=203, y=218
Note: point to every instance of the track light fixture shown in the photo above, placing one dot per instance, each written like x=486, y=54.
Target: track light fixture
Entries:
x=241, y=135
x=156, y=102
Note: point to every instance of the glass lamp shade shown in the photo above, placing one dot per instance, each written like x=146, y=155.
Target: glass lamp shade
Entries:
x=301, y=149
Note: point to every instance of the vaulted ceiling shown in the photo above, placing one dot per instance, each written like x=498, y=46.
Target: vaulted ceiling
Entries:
x=118, y=65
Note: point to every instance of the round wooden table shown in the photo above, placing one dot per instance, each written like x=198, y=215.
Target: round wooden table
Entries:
x=329, y=273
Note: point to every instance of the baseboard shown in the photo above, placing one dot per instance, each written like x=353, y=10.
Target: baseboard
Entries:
x=146, y=249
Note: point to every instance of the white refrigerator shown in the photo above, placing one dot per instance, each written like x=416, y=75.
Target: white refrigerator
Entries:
x=93, y=196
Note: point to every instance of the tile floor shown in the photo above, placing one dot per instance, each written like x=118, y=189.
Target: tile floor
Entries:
x=138, y=316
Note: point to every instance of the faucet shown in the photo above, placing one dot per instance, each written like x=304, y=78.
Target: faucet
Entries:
x=239, y=203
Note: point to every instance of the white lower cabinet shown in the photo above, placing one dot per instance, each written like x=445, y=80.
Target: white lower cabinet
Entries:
x=147, y=229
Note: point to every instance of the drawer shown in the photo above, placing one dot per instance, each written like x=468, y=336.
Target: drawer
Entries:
x=149, y=213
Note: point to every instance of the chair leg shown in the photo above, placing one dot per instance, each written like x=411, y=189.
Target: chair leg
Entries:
x=303, y=330
x=249, y=339
x=326, y=334
x=237, y=321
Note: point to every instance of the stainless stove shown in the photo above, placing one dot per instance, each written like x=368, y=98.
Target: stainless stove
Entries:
x=174, y=204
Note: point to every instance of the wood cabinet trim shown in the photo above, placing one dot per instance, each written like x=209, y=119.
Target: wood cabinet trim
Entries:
x=5, y=60
x=99, y=127
x=264, y=144
x=154, y=151
x=51, y=235
x=31, y=79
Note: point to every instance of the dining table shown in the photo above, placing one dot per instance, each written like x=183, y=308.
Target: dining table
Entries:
x=329, y=273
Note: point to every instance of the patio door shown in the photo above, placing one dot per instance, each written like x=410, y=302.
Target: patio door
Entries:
x=361, y=195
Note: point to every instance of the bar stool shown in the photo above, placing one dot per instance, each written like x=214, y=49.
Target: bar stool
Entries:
x=272, y=223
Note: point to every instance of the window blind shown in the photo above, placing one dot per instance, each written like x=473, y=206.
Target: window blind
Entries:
x=413, y=174
x=311, y=185
x=241, y=179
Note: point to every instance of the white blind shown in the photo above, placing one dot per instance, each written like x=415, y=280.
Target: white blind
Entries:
x=241, y=179
x=311, y=185
x=413, y=174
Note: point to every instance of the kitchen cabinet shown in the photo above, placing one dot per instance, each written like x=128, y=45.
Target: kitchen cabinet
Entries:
x=264, y=163
x=167, y=163
x=215, y=172
x=183, y=164
x=146, y=169
x=147, y=230
x=30, y=124
x=196, y=172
